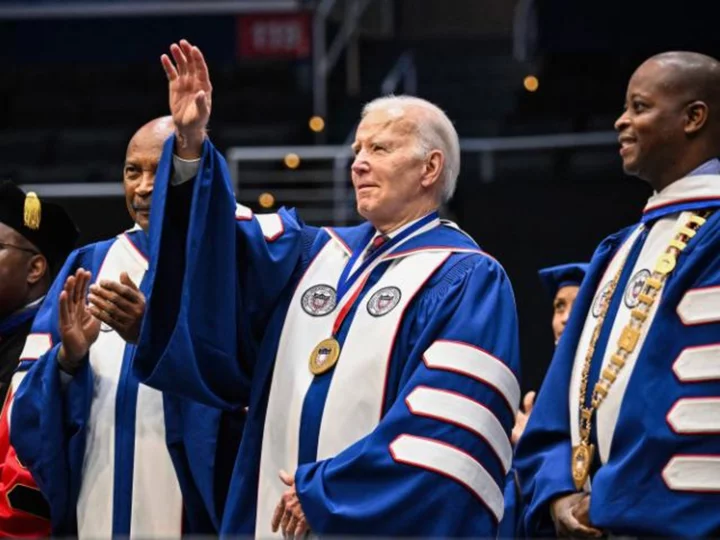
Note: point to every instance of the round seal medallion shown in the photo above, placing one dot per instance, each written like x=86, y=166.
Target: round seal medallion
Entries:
x=383, y=301
x=318, y=300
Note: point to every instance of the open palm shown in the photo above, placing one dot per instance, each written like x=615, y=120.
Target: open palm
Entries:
x=78, y=328
x=189, y=87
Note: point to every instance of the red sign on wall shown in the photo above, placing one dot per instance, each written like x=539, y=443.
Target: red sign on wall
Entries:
x=285, y=35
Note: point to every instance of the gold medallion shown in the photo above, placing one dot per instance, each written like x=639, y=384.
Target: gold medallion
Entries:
x=324, y=356
x=665, y=264
x=582, y=457
x=582, y=454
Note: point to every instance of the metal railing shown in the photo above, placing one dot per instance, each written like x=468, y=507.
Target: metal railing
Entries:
x=330, y=183
x=340, y=192
x=325, y=58
x=139, y=8
x=524, y=30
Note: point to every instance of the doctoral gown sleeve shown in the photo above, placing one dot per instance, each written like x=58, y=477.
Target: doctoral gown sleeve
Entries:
x=216, y=272
x=436, y=463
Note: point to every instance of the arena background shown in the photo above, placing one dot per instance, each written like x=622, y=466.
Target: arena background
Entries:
x=533, y=88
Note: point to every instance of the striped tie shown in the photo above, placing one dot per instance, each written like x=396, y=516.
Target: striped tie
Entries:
x=378, y=241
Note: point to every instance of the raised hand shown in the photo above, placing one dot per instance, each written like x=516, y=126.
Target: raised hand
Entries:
x=119, y=305
x=190, y=93
x=78, y=328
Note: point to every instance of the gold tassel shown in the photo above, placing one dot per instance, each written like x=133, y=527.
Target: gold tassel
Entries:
x=32, y=212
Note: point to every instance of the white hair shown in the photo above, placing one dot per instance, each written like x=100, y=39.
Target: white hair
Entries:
x=435, y=131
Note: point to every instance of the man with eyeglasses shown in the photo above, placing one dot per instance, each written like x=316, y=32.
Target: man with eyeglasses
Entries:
x=35, y=238
x=102, y=455
x=379, y=362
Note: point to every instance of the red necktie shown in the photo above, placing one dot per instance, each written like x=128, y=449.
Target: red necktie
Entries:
x=375, y=244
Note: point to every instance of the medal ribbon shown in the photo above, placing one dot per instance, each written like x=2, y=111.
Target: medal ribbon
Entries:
x=356, y=281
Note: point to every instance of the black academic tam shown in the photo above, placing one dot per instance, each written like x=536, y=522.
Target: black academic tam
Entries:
x=44, y=224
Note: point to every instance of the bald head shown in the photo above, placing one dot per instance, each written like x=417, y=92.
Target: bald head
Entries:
x=691, y=76
x=687, y=69
x=141, y=162
x=671, y=123
x=154, y=133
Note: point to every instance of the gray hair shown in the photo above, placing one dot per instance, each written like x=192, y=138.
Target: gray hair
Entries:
x=435, y=131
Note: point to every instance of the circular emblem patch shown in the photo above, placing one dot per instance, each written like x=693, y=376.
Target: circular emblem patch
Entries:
x=600, y=300
x=635, y=287
x=383, y=301
x=318, y=300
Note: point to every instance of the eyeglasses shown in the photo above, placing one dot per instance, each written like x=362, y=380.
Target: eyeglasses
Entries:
x=3, y=245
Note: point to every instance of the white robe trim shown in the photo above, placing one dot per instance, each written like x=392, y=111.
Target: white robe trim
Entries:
x=36, y=345
x=156, y=499
x=355, y=398
x=655, y=244
x=694, y=473
x=453, y=463
x=695, y=416
x=689, y=189
x=474, y=362
x=17, y=378
x=698, y=364
x=459, y=410
x=700, y=306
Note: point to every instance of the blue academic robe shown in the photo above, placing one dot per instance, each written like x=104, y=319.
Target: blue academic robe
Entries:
x=102, y=447
x=662, y=475
x=408, y=434
x=511, y=523
x=13, y=331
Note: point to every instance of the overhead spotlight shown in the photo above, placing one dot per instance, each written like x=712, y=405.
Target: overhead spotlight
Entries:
x=317, y=124
x=266, y=200
x=292, y=161
x=531, y=83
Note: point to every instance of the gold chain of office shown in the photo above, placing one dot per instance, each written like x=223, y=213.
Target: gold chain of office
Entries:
x=583, y=453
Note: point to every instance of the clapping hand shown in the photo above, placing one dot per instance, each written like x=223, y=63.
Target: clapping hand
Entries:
x=78, y=328
x=522, y=417
x=119, y=305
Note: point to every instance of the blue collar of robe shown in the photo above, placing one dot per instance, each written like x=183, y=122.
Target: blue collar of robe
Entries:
x=444, y=236
x=10, y=323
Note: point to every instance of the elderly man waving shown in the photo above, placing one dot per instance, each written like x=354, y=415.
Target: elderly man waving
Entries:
x=379, y=361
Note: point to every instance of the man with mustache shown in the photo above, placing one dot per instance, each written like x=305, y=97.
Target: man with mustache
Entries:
x=382, y=380
x=103, y=448
x=633, y=448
